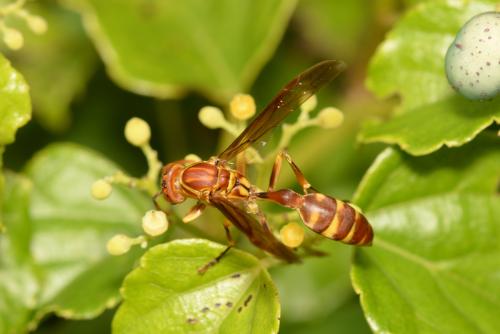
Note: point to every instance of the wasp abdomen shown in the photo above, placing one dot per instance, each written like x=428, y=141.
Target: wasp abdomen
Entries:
x=335, y=219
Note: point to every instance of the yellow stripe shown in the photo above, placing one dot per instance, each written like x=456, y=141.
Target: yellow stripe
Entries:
x=334, y=225
x=243, y=181
x=313, y=219
x=231, y=182
x=349, y=235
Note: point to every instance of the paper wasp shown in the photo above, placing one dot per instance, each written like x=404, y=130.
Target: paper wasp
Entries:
x=213, y=182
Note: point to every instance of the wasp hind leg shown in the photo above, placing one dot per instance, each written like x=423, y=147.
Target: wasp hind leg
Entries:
x=231, y=243
x=301, y=179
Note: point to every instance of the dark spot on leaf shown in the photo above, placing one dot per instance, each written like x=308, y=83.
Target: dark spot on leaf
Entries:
x=191, y=321
x=239, y=309
x=488, y=63
x=229, y=304
x=205, y=309
x=236, y=276
x=217, y=304
x=249, y=298
x=487, y=29
x=459, y=46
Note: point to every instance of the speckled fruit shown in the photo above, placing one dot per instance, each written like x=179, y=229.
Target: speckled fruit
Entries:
x=473, y=59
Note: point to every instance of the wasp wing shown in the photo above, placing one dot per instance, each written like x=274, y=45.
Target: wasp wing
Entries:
x=259, y=235
x=288, y=99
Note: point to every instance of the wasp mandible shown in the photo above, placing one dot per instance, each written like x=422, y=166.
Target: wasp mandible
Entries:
x=213, y=182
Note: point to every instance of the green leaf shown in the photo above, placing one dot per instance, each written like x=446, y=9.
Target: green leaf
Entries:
x=324, y=20
x=18, y=283
x=70, y=230
x=436, y=250
x=319, y=279
x=15, y=105
x=163, y=48
x=167, y=295
x=347, y=318
x=410, y=63
x=15, y=108
x=56, y=64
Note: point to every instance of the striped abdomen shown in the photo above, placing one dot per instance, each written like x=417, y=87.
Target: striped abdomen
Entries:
x=335, y=219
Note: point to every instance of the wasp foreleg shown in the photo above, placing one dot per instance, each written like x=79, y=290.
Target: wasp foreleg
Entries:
x=203, y=269
x=194, y=212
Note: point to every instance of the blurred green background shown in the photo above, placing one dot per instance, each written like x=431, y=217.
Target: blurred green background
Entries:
x=75, y=99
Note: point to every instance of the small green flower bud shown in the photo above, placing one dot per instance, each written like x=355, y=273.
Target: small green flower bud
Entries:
x=119, y=244
x=330, y=118
x=37, y=24
x=310, y=104
x=101, y=189
x=211, y=117
x=192, y=157
x=292, y=235
x=13, y=38
x=137, y=131
x=155, y=223
x=242, y=106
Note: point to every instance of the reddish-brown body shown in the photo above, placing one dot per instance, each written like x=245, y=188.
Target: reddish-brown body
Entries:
x=202, y=180
x=332, y=218
x=212, y=182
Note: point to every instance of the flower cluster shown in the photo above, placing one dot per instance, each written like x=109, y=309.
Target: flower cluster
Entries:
x=242, y=108
x=154, y=222
x=12, y=37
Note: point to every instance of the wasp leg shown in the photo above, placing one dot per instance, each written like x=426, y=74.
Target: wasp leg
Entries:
x=301, y=179
x=203, y=269
x=241, y=163
x=169, y=213
x=194, y=212
x=155, y=200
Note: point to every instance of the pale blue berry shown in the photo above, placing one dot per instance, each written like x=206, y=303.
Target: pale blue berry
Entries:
x=473, y=59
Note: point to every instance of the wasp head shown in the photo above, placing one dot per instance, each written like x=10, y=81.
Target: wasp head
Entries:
x=170, y=182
